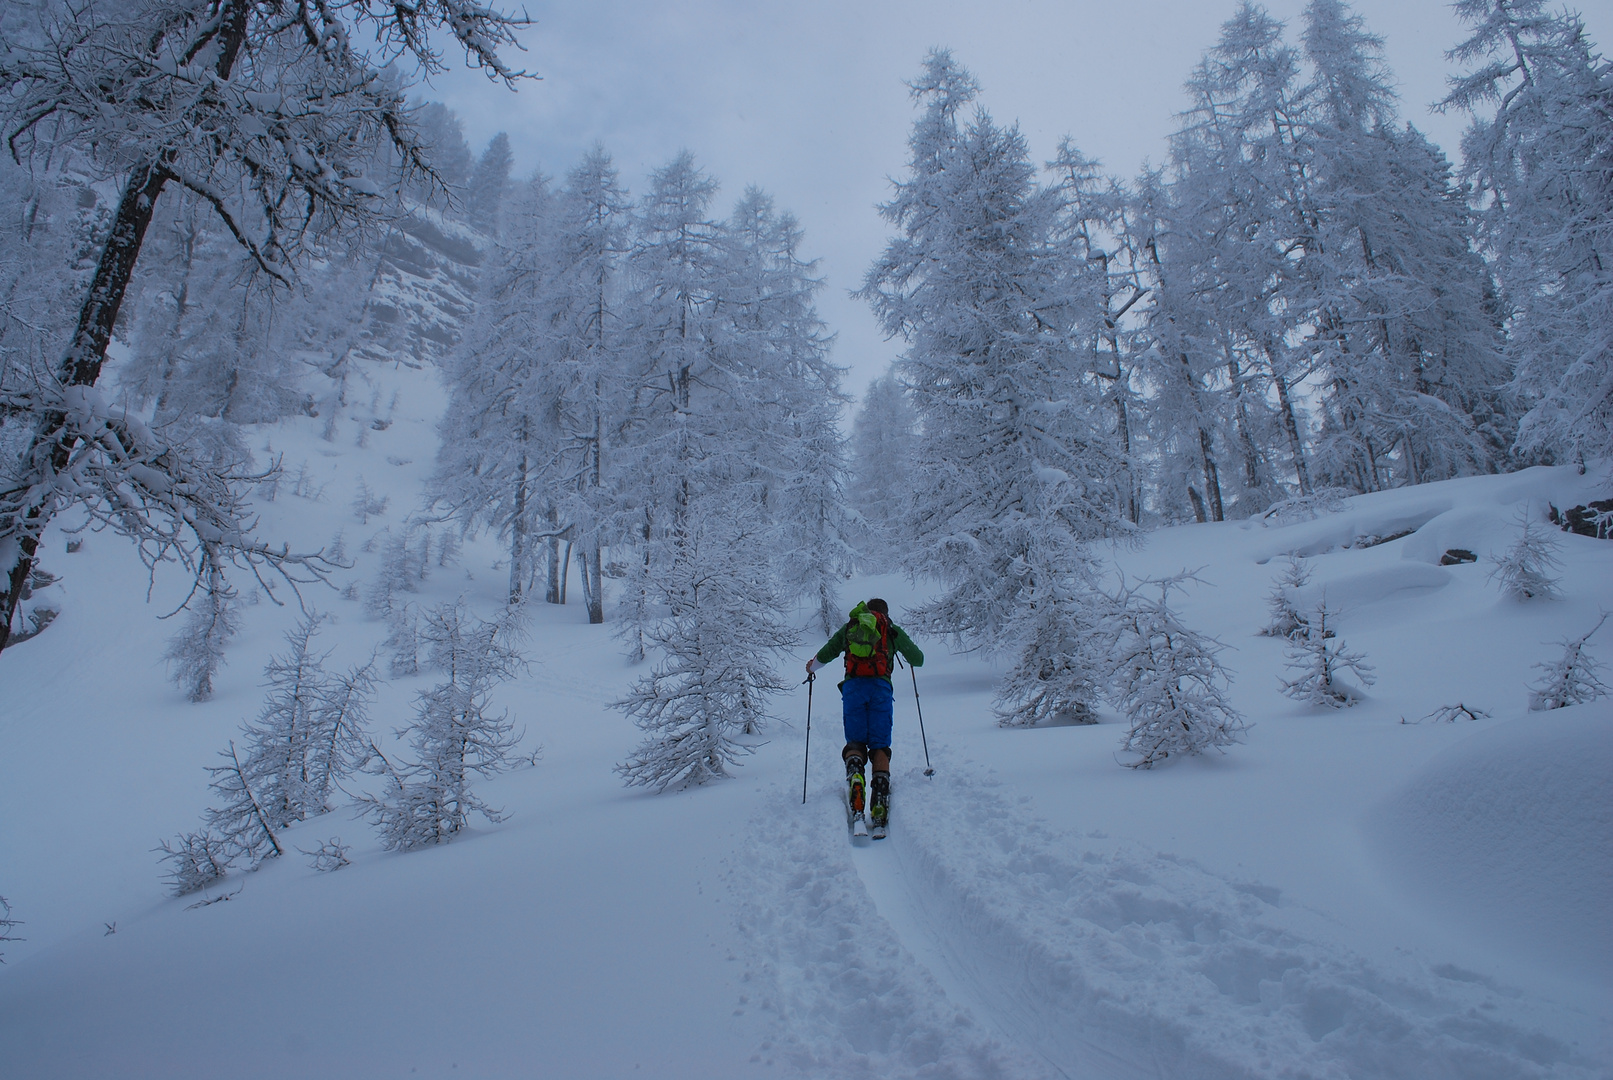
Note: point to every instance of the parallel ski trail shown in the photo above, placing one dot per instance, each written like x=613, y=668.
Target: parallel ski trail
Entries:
x=961, y=946
x=849, y=998
x=924, y=930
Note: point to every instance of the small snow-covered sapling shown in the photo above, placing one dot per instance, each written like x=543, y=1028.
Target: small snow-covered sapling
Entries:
x=1286, y=619
x=1318, y=658
x=1527, y=570
x=1572, y=678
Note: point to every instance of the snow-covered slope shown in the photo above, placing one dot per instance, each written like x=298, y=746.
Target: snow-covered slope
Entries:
x=1344, y=895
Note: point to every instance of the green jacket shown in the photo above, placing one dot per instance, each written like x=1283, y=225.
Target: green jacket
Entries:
x=898, y=639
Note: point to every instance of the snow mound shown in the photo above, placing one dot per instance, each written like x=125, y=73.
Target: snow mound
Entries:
x=1512, y=830
x=1351, y=592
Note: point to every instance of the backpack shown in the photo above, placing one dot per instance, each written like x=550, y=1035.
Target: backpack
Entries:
x=868, y=652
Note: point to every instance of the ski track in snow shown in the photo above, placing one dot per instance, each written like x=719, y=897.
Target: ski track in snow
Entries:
x=976, y=943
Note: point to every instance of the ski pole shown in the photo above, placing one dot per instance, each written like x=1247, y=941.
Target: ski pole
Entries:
x=810, y=679
x=911, y=670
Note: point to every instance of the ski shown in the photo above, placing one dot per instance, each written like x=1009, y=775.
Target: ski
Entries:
x=879, y=830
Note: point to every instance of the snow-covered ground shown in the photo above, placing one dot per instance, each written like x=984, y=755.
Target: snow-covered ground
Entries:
x=1343, y=895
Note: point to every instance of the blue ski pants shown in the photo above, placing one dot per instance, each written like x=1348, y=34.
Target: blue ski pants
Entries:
x=866, y=704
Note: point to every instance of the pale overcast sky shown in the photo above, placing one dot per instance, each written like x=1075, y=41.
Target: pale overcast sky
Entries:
x=807, y=99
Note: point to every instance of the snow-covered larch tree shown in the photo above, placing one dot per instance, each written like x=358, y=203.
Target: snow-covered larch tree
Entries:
x=196, y=653
x=1282, y=602
x=1527, y=569
x=311, y=732
x=1166, y=677
x=1319, y=661
x=455, y=737
x=271, y=117
x=489, y=183
x=1572, y=678
x=1405, y=327
x=884, y=437
x=500, y=423
x=1541, y=168
x=798, y=455
x=714, y=670
x=587, y=327
x=1014, y=462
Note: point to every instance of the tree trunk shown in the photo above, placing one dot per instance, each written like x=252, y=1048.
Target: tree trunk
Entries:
x=596, y=585
x=1212, y=477
x=52, y=447
x=1291, y=425
x=518, y=540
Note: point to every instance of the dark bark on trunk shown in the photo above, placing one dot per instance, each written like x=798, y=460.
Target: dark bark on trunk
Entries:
x=518, y=545
x=52, y=446
x=1212, y=477
x=552, y=589
x=1291, y=425
x=565, y=572
x=596, y=586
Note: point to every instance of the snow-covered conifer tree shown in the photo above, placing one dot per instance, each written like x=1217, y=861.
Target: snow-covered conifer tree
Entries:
x=241, y=824
x=1525, y=572
x=1015, y=456
x=455, y=736
x=196, y=653
x=1405, y=331
x=1572, y=678
x=311, y=732
x=1286, y=619
x=195, y=861
x=796, y=449
x=1104, y=271
x=1166, y=678
x=715, y=672
x=884, y=438
x=1541, y=167
x=1319, y=659
x=1057, y=643
x=403, y=640
x=279, y=741
x=589, y=359
x=1227, y=298
x=488, y=184
x=500, y=423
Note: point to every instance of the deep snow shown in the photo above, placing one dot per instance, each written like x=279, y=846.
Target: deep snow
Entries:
x=1342, y=895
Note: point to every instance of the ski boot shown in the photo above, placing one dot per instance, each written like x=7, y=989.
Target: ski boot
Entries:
x=879, y=811
x=856, y=787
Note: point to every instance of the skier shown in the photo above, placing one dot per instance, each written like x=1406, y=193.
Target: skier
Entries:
x=870, y=641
